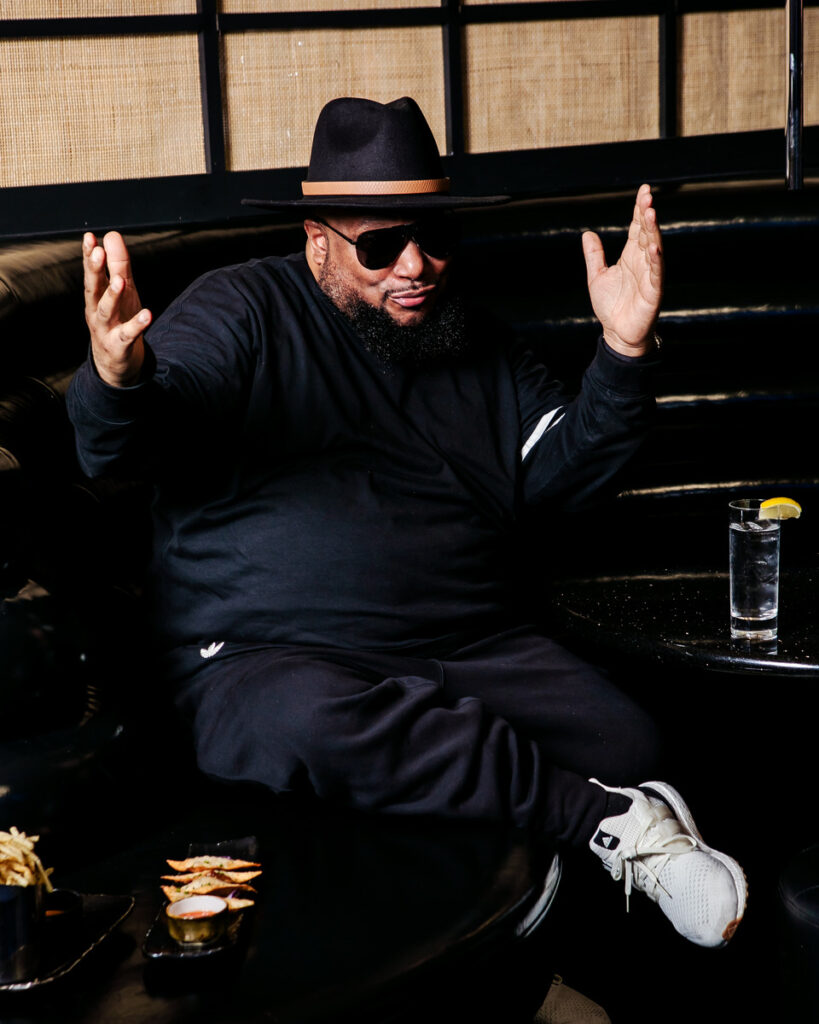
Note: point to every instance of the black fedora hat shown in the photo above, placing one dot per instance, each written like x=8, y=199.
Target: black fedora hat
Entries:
x=369, y=155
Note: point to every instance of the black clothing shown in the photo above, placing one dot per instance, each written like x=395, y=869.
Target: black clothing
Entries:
x=307, y=495
x=508, y=728
x=332, y=535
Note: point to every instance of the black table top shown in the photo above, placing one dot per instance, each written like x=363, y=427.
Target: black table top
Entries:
x=681, y=617
x=651, y=582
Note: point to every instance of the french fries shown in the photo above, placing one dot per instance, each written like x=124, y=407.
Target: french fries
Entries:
x=19, y=864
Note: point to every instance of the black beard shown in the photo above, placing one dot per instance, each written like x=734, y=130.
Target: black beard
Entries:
x=441, y=335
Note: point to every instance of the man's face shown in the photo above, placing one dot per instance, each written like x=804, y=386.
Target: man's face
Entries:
x=407, y=290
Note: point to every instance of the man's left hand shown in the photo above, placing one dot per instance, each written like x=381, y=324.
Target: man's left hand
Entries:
x=626, y=297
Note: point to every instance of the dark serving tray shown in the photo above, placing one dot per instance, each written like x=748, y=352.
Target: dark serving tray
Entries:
x=158, y=944
x=63, y=950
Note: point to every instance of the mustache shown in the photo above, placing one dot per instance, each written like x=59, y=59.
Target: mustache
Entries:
x=414, y=287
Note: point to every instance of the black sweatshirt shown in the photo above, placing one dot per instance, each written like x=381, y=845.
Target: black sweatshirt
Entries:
x=306, y=494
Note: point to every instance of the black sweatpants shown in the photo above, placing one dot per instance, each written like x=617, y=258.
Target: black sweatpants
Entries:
x=507, y=729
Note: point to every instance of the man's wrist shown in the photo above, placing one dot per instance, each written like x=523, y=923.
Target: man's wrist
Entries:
x=648, y=346
x=130, y=382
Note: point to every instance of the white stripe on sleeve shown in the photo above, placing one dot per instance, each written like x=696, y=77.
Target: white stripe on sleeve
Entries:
x=545, y=423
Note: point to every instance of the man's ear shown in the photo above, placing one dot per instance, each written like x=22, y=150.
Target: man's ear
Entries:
x=317, y=242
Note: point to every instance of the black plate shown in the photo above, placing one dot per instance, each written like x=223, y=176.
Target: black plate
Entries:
x=64, y=950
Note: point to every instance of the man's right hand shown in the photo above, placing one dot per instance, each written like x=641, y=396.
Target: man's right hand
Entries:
x=113, y=311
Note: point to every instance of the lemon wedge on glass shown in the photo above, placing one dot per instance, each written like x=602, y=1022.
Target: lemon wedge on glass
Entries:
x=780, y=508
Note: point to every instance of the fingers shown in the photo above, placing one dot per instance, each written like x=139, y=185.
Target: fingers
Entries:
x=655, y=265
x=650, y=238
x=94, y=277
x=110, y=316
x=133, y=328
x=113, y=253
x=124, y=333
x=119, y=353
x=644, y=244
x=110, y=292
x=644, y=228
x=108, y=307
x=125, y=339
x=119, y=262
x=112, y=309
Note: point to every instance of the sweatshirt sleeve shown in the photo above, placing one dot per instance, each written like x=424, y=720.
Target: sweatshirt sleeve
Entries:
x=572, y=447
x=200, y=358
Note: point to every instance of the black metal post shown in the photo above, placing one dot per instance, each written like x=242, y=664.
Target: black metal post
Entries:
x=211, y=86
x=453, y=78
x=795, y=13
x=669, y=72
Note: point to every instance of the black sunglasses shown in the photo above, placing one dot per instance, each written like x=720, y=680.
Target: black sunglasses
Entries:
x=381, y=247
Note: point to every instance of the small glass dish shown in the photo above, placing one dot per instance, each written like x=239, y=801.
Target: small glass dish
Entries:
x=197, y=920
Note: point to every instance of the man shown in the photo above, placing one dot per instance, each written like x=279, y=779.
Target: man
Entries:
x=342, y=454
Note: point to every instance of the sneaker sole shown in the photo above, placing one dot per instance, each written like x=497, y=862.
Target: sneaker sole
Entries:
x=680, y=809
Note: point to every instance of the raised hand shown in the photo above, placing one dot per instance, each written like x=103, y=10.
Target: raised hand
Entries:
x=626, y=297
x=113, y=312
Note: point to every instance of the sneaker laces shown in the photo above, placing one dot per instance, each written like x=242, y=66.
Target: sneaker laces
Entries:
x=662, y=839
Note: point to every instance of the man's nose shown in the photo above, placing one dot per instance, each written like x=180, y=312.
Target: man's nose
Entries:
x=410, y=262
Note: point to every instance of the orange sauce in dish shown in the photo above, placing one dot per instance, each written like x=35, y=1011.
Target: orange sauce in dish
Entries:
x=190, y=914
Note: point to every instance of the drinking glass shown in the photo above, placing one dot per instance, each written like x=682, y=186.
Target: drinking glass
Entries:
x=21, y=918
x=753, y=569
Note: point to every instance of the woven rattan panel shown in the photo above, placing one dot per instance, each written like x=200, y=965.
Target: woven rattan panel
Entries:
x=104, y=108
x=561, y=83
x=92, y=8
x=275, y=84
x=733, y=71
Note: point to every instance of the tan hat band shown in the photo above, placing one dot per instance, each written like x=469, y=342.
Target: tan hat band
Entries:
x=374, y=188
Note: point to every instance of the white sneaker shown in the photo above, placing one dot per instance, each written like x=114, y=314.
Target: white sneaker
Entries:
x=655, y=846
